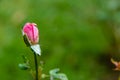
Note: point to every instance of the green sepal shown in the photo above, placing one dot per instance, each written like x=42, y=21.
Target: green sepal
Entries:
x=26, y=40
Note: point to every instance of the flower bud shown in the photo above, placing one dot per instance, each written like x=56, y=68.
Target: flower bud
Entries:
x=31, y=37
x=31, y=32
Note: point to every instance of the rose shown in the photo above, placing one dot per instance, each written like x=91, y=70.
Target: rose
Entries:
x=31, y=36
x=31, y=32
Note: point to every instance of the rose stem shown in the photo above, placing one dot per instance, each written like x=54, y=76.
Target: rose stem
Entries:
x=36, y=65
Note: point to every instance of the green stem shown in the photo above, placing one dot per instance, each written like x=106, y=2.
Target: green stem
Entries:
x=36, y=65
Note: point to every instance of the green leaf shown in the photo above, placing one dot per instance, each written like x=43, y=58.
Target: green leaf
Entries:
x=54, y=74
x=62, y=76
x=36, y=48
x=23, y=66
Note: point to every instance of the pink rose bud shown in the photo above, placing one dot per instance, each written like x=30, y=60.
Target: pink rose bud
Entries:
x=31, y=37
x=31, y=32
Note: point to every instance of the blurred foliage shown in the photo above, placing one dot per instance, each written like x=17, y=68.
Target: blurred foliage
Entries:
x=77, y=36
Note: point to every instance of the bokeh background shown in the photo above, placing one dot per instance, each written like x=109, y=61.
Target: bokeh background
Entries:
x=77, y=36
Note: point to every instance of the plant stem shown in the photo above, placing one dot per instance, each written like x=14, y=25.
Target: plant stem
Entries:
x=36, y=65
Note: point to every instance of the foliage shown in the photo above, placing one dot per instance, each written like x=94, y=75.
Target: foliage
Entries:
x=77, y=36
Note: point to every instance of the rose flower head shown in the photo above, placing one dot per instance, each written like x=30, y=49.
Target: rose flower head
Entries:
x=31, y=37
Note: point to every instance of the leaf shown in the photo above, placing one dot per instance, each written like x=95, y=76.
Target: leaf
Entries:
x=36, y=48
x=54, y=74
x=23, y=66
x=62, y=76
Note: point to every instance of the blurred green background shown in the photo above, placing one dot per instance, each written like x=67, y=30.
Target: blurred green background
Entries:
x=77, y=36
